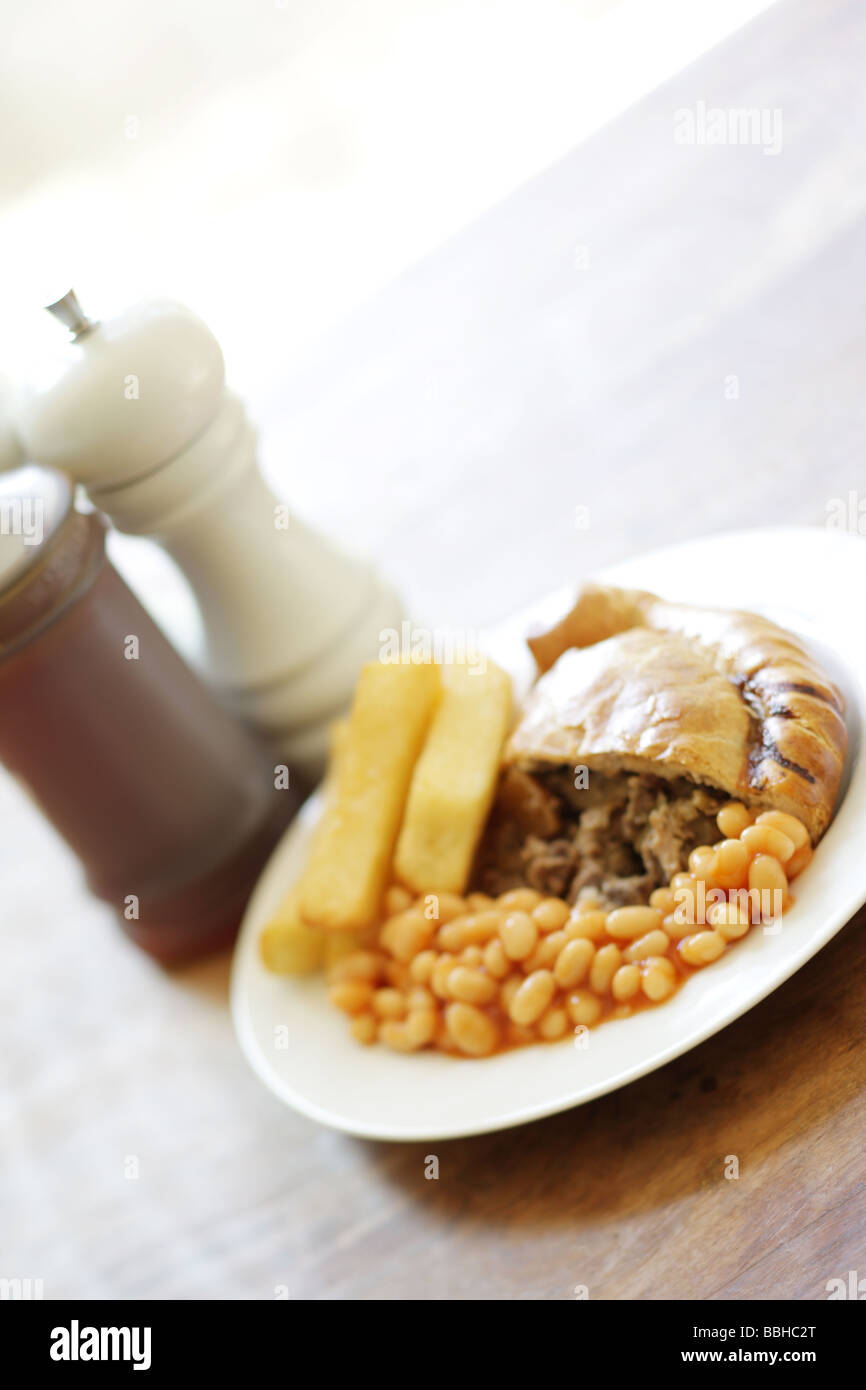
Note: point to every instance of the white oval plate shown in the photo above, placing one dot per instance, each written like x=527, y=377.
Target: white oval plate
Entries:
x=812, y=581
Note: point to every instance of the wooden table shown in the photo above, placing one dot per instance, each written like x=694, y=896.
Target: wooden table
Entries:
x=670, y=337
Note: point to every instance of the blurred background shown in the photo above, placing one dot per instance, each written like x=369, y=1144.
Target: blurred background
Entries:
x=275, y=164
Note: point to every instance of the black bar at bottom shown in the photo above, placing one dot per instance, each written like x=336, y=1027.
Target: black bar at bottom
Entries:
x=161, y=1339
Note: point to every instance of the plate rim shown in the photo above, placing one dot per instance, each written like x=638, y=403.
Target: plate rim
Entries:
x=246, y=952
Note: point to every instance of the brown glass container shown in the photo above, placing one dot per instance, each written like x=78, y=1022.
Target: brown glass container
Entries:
x=167, y=800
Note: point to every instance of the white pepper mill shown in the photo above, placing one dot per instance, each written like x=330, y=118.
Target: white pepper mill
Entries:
x=139, y=413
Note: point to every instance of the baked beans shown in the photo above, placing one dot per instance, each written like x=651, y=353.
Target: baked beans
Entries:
x=731, y=869
x=627, y=923
x=658, y=978
x=470, y=975
x=604, y=966
x=573, y=962
x=655, y=943
x=546, y=952
x=473, y=1031
x=733, y=818
x=532, y=998
x=591, y=925
x=553, y=1024
x=472, y=986
x=789, y=825
x=551, y=914
x=519, y=935
x=764, y=839
x=702, y=947
x=625, y=983
x=799, y=860
x=584, y=1007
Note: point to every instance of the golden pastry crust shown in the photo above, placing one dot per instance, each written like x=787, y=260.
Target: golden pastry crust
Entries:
x=630, y=682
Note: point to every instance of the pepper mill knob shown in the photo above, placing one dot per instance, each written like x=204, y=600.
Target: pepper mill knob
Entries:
x=138, y=411
x=68, y=310
x=123, y=397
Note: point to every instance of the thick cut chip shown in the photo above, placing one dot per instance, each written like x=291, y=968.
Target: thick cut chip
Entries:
x=350, y=860
x=454, y=781
x=288, y=945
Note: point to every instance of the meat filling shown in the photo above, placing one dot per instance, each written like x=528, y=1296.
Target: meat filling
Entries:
x=620, y=836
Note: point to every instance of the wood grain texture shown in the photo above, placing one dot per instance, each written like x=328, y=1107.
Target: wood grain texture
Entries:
x=453, y=426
